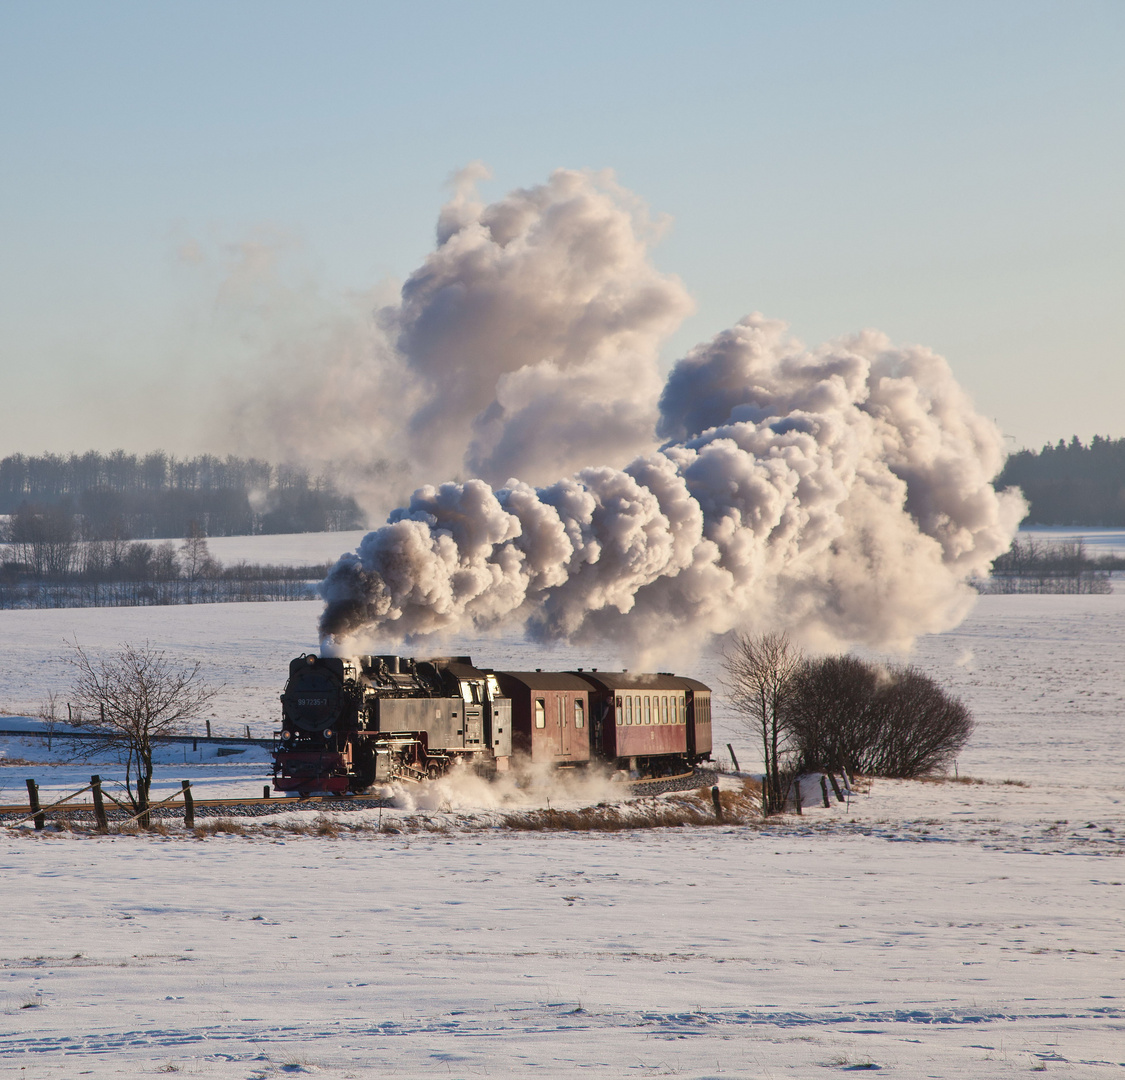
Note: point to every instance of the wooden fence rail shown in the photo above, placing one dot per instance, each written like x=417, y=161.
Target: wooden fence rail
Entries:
x=38, y=812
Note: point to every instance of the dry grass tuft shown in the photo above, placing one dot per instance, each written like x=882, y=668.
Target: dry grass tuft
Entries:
x=669, y=811
x=972, y=781
x=219, y=826
x=324, y=826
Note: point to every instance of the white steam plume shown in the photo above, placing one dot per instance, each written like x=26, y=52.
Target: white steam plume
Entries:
x=843, y=494
x=527, y=342
x=533, y=330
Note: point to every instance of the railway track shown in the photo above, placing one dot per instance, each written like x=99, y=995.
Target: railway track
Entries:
x=263, y=807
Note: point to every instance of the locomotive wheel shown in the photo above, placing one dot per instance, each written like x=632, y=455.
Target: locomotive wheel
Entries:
x=433, y=770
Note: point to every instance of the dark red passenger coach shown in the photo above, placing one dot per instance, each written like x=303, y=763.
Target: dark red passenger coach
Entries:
x=654, y=725
x=550, y=711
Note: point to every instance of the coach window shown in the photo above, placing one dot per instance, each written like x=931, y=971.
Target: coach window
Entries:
x=562, y=710
x=683, y=712
x=648, y=709
x=664, y=709
x=540, y=712
x=628, y=709
x=579, y=713
x=619, y=717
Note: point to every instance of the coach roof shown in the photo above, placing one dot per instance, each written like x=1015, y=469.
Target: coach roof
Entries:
x=638, y=681
x=546, y=680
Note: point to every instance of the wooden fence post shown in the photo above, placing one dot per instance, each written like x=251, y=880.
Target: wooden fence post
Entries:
x=797, y=793
x=265, y=791
x=208, y=723
x=824, y=791
x=836, y=788
x=717, y=803
x=33, y=799
x=189, y=805
x=100, y=820
x=733, y=758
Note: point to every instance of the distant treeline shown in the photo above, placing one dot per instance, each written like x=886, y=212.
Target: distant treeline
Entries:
x=158, y=496
x=1034, y=566
x=1071, y=484
x=50, y=573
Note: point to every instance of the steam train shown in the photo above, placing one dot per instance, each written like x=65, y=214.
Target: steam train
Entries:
x=347, y=723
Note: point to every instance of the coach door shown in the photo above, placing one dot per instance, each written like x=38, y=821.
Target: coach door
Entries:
x=563, y=744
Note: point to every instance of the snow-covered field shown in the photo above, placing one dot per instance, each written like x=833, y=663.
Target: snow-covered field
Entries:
x=924, y=929
x=285, y=549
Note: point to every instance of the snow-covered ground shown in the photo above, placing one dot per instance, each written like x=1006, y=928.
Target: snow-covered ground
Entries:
x=285, y=549
x=953, y=929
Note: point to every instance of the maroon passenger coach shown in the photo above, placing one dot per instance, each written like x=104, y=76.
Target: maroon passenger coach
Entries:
x=550, y=711
x=649, y=724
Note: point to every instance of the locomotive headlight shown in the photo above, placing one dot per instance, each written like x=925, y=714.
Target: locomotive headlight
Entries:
x=287, y=734
x=328, y=733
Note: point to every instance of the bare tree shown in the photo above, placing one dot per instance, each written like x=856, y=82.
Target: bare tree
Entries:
x=134, y=699
x=194, y=555
x=759, y=678
x=45, y=538
x=49, y=714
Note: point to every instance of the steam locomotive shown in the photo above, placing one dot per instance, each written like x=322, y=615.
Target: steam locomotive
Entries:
x=350, y=722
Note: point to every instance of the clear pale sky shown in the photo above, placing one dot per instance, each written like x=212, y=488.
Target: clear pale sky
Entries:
x=950, y=173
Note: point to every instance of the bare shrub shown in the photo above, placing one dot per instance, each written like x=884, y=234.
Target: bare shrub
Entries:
x=846, y=714
x=831, y=714
x=923, y=727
